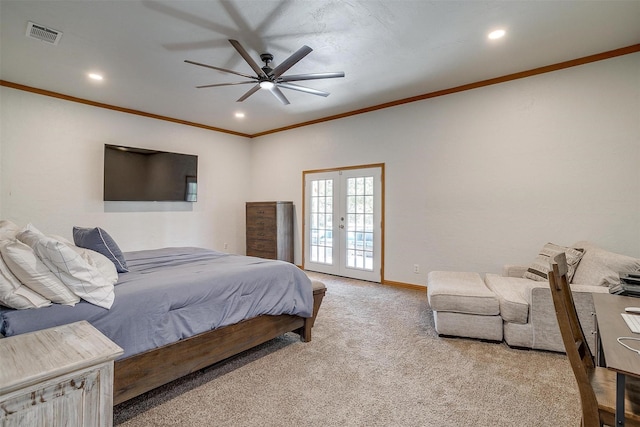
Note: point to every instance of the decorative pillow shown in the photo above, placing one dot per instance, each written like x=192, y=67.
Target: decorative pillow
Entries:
x=60, y=239
x=14, y=294
x=78, y=275
x=602, y=268
x=539, y=268
x=8, y=230
x=34, y=274
x=95, y=259
x=99, y=240
x=99, y=261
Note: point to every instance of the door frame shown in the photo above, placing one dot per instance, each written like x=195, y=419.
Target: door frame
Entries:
x=382, y=206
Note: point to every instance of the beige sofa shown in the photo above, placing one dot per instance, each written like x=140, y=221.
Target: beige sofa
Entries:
x=526, y=309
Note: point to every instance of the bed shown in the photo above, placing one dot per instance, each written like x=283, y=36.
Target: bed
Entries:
x=178, y=310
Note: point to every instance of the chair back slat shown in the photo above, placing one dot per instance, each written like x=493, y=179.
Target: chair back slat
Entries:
x=575, y=344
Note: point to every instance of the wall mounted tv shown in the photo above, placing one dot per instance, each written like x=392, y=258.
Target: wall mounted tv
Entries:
x=137, y=174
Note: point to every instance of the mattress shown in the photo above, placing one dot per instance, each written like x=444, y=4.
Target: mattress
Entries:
x=174, y=293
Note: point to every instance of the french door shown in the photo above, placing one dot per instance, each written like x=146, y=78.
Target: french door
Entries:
x=343, y=222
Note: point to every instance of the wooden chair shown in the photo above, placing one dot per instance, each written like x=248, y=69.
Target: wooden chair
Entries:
x=597, y=386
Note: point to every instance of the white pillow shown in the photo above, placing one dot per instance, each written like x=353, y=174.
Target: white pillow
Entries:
x=99, y=261
x=34, y=274
x=600, y=267
x=83, y=279
x=8, y=230
x=14, y=294
x=60, y=239
x=95, y=259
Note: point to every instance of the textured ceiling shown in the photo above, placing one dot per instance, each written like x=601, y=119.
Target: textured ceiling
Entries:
x=389, y=50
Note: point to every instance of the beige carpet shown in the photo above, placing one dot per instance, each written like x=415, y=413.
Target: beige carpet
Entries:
x=374, y=360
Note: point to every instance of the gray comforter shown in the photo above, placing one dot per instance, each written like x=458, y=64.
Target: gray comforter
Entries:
x=174, y=293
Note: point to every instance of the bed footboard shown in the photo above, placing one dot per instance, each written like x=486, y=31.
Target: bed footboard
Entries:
x=143, y=372
x=319, y=289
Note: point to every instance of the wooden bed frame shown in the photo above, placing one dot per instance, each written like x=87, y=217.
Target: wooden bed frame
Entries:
x=142, y=372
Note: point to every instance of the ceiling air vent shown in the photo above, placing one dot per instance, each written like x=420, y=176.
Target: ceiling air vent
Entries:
x=40, y=32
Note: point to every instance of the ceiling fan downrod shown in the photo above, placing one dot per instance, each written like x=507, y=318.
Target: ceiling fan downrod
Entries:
x=266, y=58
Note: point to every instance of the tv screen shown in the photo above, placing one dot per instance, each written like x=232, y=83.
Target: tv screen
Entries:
x=137, y=174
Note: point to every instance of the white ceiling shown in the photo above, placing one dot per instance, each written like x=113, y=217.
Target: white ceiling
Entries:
x=388, y=49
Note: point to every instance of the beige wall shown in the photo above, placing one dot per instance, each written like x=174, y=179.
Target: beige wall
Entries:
x=486, y=177
x=474, y=180
x=51, y=156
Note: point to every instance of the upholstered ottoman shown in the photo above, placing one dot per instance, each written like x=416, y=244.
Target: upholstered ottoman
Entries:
x=463, y=306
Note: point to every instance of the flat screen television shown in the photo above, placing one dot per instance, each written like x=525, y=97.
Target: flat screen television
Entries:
x=137, y=174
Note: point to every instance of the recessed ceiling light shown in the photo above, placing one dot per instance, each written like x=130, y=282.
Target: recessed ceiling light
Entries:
x=95, y=76
x=496, y=34
x=240, y=115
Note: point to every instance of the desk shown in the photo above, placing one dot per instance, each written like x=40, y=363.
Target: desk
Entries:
x=617, y=358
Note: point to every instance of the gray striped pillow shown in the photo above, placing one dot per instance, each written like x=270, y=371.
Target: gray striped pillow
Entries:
x=539, y=268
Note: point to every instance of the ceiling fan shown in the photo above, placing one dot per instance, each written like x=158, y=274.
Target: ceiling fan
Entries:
x=272, y=79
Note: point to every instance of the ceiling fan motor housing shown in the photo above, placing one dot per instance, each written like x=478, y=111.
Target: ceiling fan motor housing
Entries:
x=266, y=58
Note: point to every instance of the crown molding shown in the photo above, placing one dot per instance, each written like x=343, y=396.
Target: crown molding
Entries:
x=470, y=86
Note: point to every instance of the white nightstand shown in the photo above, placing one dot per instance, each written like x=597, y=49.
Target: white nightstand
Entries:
x=61, y=376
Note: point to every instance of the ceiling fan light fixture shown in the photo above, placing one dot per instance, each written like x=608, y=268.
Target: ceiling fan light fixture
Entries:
x=494, y=35
x=267, y=85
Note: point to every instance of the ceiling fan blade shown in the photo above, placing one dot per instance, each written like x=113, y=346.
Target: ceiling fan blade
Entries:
x=224, y=84
x=278, y=94
x=249, y=93
x=224, y=70
x=303, y=89
x=311, y=76
x=247, y=58
x=291, y=61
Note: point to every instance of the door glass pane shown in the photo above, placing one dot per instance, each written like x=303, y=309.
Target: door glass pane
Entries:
x=321, y=227
x=359, y=224
x=368, y=204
